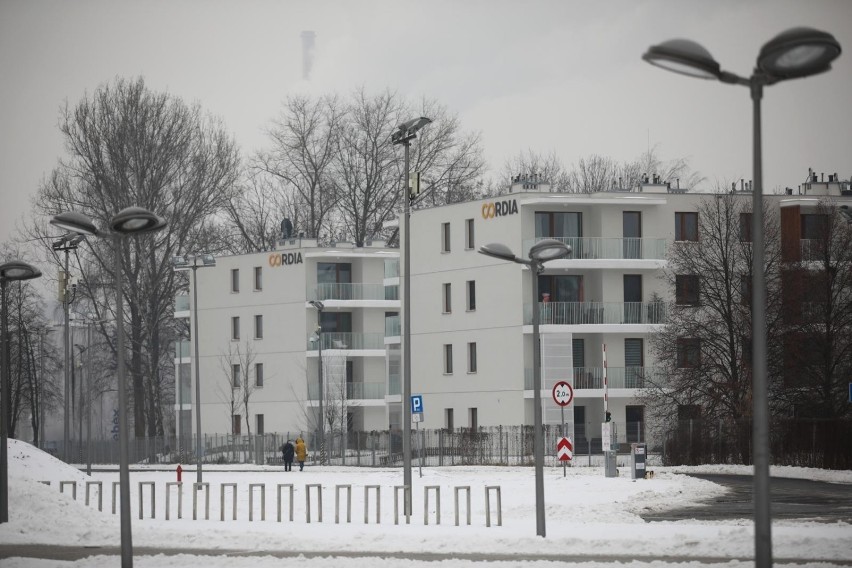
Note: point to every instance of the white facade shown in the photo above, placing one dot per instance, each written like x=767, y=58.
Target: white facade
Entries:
x=260, y=303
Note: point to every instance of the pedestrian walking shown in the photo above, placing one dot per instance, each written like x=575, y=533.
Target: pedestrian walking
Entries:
x=301, y=452
x=287, y=453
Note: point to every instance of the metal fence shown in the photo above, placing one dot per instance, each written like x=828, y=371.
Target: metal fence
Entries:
x=799, y=442
x=811, y=443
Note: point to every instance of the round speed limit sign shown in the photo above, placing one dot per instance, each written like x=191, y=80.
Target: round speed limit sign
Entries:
x=563, y=394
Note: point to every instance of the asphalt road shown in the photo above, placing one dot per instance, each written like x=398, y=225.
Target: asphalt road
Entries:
x=801, y=499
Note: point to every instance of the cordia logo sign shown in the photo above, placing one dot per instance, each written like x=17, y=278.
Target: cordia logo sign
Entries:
x=499, y=208
x=285, y=258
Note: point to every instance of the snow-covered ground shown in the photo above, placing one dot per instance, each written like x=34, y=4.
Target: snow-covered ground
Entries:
x=586, y=514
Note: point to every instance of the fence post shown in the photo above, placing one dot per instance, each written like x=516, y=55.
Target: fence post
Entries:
x=195, y=488
x=100, y=493
x=308, y=501
x=251, y=500
x=337, y=489
x=233, y=487
x=73, y=485
x=142, y=484
x=496, y=489
x=437, y=489
x=406, y=496
x=458, y=488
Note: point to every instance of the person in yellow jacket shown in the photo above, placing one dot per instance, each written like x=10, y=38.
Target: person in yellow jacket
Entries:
x=301, y=452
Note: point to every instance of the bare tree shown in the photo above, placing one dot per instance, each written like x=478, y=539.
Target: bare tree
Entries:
x=548, y=167
x=127, y=145
x=238, y=369
x=705, y=346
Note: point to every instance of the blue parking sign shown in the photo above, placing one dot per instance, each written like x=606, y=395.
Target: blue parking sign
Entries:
x=416, y=403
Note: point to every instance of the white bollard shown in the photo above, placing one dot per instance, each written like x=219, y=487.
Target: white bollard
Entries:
x=337, y=489
x=367, y=503
x=281, y=485
x=195, y=488
x=233, y=487
x=308, y=501
x=496, y=489
x=100, y=486
x=426, y=489
x=466, y=489
x=406, y=497
x=179, y=485
x=262, y=500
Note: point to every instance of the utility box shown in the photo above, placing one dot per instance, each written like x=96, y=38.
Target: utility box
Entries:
x=638, y=452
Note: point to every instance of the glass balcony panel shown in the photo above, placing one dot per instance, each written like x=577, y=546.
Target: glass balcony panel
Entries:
x=341, y=340
x=596, y=313
x=182, y=303
x=332, y=291
x=610, y=248
x=392, y=268
x=392, y=326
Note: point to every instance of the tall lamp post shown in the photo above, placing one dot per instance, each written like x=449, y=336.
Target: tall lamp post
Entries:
x=319, y=307
x=9, y=271
x=541, y=252
x=66, y=244
x=404, y=134
x=797, y=52
x=127, y=222
x=192, y=263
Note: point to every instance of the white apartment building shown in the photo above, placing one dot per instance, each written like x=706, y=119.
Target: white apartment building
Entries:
x=260, y=304
x=471, y=332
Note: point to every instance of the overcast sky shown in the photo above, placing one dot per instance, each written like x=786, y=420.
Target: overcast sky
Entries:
x=558, y=75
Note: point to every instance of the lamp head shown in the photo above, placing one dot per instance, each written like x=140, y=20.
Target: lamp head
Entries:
x=179, y=261
x=413, y=125
x=136, y=220
x=498, y=250
x=74, y=222
x=798, y=52
x=316, y=304
x=549, y=249
x=18, y=270
x=685, y=57
x=208, y=260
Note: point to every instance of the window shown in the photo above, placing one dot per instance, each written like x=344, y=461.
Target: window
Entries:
x=336, y=322
x=634, y=361
x=258, y=424
x=258, y=374
x=688, y=353
x=468, y=234
x=235, y=328
x=258, y=278
x=235, y=376
x=631, y=222
x=473, y=418
x=237, y=421
x=235, y=280
x=564, y=226
x=471, y=357
x=448, y=359
x=334, y=280
x=745, y=289
x=745, y=227
x=445, y=237
x=814, y=226
x=686, y=226
x=635, y=419
x=688, y=412
x=471, y=295
x=258, y=327
x=448, y=419
x=447, y=298
x=686, y=289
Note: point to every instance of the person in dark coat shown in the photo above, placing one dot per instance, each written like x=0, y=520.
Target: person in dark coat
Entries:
x=287, y=453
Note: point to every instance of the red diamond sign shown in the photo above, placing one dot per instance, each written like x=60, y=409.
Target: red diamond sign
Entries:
x=564, y=449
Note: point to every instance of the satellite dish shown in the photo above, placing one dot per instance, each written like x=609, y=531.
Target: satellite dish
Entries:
x=286, y=228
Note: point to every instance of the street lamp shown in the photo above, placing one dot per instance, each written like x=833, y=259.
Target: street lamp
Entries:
x=319, y=307
x=183, y=263
x=66, y=244
x=543, y=251
x=404, y=134
x=9, y=271
x=797, y=52
x=127, y=222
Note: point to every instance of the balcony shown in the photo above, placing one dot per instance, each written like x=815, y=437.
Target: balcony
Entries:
x=330, y=291
x=349, y=341
x=617, y=378
x=609, y=248
x=354, y=391
x=392, y=326
x=391, y=268
x=183, y=349
x=598, y=313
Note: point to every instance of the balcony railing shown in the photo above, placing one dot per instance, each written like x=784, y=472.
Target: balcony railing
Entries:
x=354, y=391
x=610, y=248
x=617, y=377
x=330, y=291
x=593, y=313
x=183, y=349
x=813, y=249
x=392, y=268
x=339, y=340
x=392, y=326
x=182, y=303
x=394, y=384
